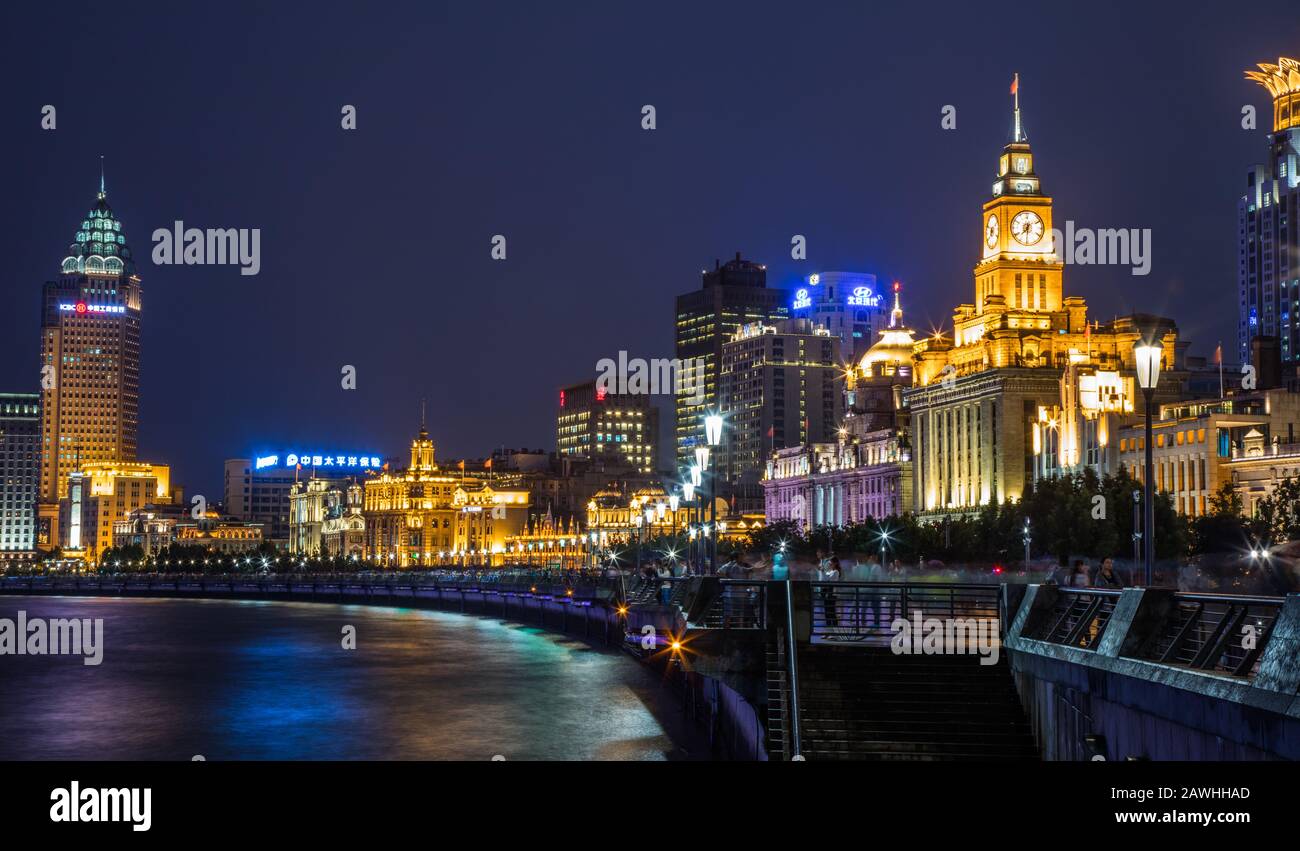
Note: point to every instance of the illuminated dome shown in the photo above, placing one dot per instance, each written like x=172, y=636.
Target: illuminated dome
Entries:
x=1283, y=83
x=892, y=353
x=99, y=246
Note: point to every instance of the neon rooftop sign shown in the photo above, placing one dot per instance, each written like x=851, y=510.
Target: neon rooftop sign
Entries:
x=306, y=459
x=83, y=308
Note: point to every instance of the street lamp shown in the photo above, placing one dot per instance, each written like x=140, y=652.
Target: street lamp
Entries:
x=1147, y=357
x=688, y=492
x=713, y=436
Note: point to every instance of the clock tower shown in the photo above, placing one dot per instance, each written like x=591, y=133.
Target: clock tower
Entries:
x=1018, y=260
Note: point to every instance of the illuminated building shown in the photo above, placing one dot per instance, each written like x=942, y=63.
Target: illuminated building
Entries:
x=781, y=385
x=90, y=358
x=104, y=492
x=866, y=471
x=1257, y=472
x=848, y=304
x=1268, y=223
x=429, y=515
x=977, y=397
x=1202, y=443
x=256, y=489
x=313, y=502
x=735, y=293
x=156, y=527
x=344, y=530
x=593, y=422
x=20, y=472
x=151, y=528
x=547, y=542
x=617, y=514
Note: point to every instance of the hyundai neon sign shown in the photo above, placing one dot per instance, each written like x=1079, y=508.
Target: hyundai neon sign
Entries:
x=863, y=297
x=801, y=300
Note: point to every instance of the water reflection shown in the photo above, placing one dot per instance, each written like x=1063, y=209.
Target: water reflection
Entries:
x=245, y=680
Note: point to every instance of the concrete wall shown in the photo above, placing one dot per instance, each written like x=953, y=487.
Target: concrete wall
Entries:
x=1148, y=710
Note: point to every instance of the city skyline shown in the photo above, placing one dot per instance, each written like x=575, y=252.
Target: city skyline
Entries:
x=260, y=356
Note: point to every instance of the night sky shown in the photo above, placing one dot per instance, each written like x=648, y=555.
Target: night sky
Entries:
x=476, y=119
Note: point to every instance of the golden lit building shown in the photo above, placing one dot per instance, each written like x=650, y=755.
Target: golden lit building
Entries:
x=1020, y=349
x=428, y=515
x=102, y=493
x=548, y=542
x=618, y=516
x=90, y=359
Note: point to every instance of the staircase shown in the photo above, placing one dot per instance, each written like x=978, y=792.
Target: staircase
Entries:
x=866, y=703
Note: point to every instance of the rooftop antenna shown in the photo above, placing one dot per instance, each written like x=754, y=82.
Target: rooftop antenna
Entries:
x=102, y=193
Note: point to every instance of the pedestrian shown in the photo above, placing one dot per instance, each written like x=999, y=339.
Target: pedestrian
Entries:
x=1079, y=576
x=1106, y=575
x=830, y=574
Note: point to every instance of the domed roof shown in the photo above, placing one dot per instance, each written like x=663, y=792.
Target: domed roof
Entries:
x=893, y=351
x=99, y=245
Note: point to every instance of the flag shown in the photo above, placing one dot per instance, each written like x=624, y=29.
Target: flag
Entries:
x=1218, y=354
x=488, y=463
x=460, y=464
x=1015, y=84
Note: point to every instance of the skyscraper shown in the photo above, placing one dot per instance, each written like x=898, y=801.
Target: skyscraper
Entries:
x=90, y=357
x=735, y=293
x=781, y=385
x=20, y=453
x=1268, y=230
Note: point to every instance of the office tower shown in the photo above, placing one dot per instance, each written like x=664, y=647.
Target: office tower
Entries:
x=1268, y=227
x=90, y=358
x=733, y=294
x=597, y=423
x=782, y=384
x=20, y=471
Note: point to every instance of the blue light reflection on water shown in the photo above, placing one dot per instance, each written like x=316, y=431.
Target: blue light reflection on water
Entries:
x=256, y=680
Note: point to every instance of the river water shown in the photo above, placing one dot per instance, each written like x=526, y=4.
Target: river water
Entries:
x=251, y=680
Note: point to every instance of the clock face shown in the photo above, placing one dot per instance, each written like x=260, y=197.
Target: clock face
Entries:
x=991, y=232
x=1027, y=227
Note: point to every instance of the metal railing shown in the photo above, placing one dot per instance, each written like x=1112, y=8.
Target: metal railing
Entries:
x=740, y=605
x=1218, y=633
x=1078, y=618
x=1215, y=632
x=857, y=611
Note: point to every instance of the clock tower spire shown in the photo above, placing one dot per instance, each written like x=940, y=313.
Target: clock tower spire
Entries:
x=1018, y=268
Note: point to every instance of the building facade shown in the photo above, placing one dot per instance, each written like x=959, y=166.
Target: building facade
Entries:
x=20, y=474
x=428, y=515
x=1268, y=223
x=594, y=422
x=734, y=293
x=313, y=502
x=90, y=358
x=100, y=494
x=868, y=477
x=977, y=397
x=256, y=489
x=1200, y=443
x=781, y=385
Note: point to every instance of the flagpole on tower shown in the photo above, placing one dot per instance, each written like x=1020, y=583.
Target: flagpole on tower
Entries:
x=1015, y=91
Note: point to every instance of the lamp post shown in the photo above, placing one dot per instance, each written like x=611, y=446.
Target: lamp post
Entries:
x=1147, y=357
x=688, y=491
x=713, y=436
